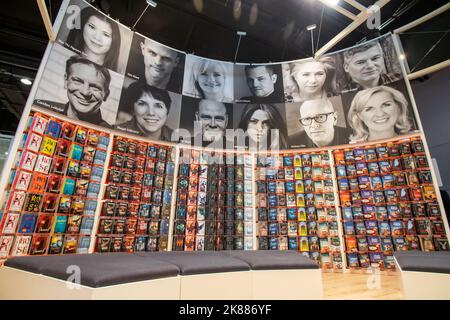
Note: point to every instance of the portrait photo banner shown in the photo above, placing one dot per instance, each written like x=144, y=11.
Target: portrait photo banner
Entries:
x=101, y=72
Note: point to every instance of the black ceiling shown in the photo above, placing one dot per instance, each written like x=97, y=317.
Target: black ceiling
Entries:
x=276, y=31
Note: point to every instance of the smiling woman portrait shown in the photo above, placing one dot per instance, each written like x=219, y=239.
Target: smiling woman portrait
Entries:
x=378, y=113
x=150, y=107
x=209, y=80
x=97, y=39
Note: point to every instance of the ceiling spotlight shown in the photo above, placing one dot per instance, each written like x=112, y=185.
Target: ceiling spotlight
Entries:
x=402, y=57
x=26, y=81
x=332, y=2
x=311, y=27
x=241, y=33
x=152, y=3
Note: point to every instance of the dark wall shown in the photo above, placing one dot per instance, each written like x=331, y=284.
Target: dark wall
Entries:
x=433, y=101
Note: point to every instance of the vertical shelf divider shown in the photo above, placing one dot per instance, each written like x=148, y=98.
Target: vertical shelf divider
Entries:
x=174, y=198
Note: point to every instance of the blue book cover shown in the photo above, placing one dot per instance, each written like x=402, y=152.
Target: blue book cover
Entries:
x=167, y=196
x=24, y=139
x=60, y=224
x=164, y=227
x=87, y=225
x=27, y=223
x=89, y=207
x=289, y=186
x=287, y=160
x=100, y=157
x=293, y=243
x=96, y=174
x=103, y=142
x=69, y=186
x=83, y=244
x=77, y=152
x=93, y=189
x=53, y=129
x=273, y=243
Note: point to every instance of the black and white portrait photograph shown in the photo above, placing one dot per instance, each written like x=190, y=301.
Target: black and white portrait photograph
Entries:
x=258, y=83
x=208, y=79
x=316, y=123
x=380, y=112
x=206, y=121
x=368, y=65
x=93, y=35
x=309, y=79
x=160, y=66
x=148, y=111
x=76, y=87
x=263, y=123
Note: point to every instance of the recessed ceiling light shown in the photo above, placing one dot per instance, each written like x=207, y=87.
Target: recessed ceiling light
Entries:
x=26, y=81
x=311, y=27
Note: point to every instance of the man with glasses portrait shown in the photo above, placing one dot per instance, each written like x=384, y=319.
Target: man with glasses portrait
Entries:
x=319, y=119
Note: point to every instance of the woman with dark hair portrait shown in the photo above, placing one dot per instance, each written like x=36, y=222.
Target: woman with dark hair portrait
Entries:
x=311, y=80
x=98, y=39
x=209, y=81
x=150, y=107
x=378, y=113
x=258, y=120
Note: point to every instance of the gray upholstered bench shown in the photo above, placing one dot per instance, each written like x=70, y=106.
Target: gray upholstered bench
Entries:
x=208, y=275
x=282, y=274
x=99, y=276
x=162, y=275
x=425, y=275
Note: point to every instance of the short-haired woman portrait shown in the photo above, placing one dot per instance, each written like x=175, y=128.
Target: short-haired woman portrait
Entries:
x=150, y=107
x=257, y=120
x=98, y=38
x=310, y=80
x=378, y=113
x=209, y=80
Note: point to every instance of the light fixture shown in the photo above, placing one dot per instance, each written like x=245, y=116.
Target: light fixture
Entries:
x=311, y=27
x=152, y=3
x=402, y=57
x=241, y=33
x=332, y=2
x=26, y=81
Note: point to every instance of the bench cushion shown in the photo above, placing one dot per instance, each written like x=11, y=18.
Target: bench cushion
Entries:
x=438, y=261
x=273, y=260
x=97, y=270
x=198, y=262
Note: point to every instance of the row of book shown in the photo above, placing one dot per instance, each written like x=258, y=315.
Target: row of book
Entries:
x=296, y=206
x=388, y=203
x=53, y=188
x=138, y=198
x=214, y=201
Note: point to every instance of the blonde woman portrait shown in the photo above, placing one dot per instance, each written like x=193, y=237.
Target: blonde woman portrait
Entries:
x=209, y=80
x=310, y=80
x=378, y=113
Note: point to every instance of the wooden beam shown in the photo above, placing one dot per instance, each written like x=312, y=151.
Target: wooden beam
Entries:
x=46, y=18
x=434, y=68
x=360, y=19
x=423, y=19
x=356, y=4
x=339, y=9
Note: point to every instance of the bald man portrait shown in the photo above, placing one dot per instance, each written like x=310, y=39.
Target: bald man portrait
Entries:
x=319, y=119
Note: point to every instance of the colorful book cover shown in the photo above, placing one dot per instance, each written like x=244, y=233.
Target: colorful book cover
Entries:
x=103, y=244
x=56, y=244
x=105, y=226
x=100, y=157
x=96, y=173
x=67, y=131
x=6, y=243
x=22, y=180
x=38, y=124
x=76, y=152
x=77, y=206
x=43, y=164
x=70, y=244
x=83, y=245
x=21, y=246
x=44, y=223
x=93, y=190
x=33, y=203
x=58, y=165
x=81, y=135
x=38, y=245
x=53, y=129
x=34, y=142
x=28, y=160
x=69, y=186
x=73, y=224
x=27, y=223
x=87, y=155
x=93, y=138
x=86, y=225
x=38, y=183
x=60, y=224
x=48, y=146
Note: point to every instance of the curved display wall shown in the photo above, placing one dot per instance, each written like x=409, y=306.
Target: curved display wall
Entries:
x=100, y=72
x=100, y=167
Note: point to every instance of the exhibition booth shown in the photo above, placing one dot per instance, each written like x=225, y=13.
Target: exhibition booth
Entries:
x=165, y=175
